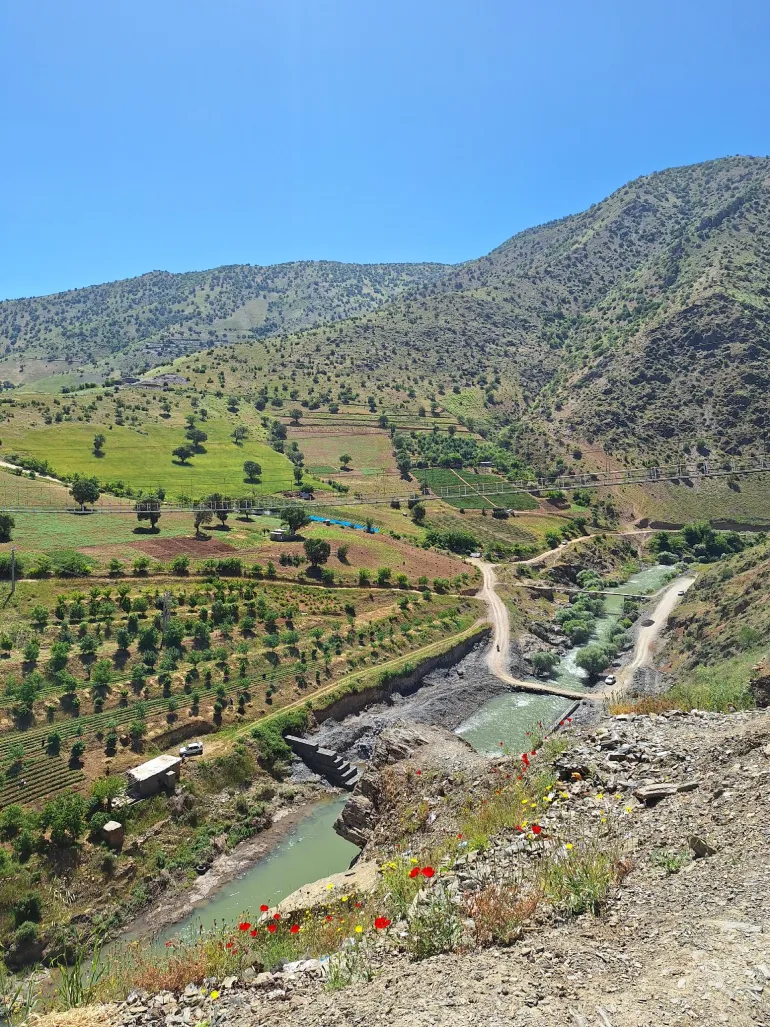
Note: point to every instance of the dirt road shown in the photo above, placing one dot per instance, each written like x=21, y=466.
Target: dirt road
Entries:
x=647, y=636
x=497, y=658
x=550, y=554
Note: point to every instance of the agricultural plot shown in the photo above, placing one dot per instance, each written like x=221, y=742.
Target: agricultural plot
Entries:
x=517, y=536
x=92, y=673
x=437, y=478
x=370, y=452
x=142, y=458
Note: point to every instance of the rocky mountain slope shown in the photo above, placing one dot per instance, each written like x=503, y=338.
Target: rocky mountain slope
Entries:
x=140, y=322
x=641, y=324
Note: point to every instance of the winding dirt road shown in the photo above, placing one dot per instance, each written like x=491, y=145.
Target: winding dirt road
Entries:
x=501, y=637
x=646, y=638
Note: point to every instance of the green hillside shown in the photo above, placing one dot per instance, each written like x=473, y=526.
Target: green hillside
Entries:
x=137, y=323
x=640, y=325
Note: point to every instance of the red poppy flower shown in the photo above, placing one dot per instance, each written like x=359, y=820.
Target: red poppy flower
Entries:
x=518, y=827
x=263, y=908
x=358, y=905
x=533, y=753
x=329, y=919
x=536, y=829
x=381, y=923
x=253, y=932
x=276, y=916
x=419, y=772
x=414, y=871
x=427, y=871
x=460, y=835
x=294, y=928
x=271, y=928
x=501, y=743
x=245, y=926
x=229, y=945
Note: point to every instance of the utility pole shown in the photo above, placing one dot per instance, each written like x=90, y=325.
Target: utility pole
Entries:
x=166, y=609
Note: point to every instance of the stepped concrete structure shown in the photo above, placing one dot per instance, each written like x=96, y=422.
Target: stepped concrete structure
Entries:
x=326, y=762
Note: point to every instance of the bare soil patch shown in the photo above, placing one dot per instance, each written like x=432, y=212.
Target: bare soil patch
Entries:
x=166, y=548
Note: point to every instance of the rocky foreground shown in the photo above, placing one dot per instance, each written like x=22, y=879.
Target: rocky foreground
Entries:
x=684, y=939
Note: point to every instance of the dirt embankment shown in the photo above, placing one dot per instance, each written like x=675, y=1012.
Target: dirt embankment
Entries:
x=445, y=697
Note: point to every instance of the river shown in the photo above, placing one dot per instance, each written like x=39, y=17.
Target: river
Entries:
x=310, y=851
x=313, y=850
x=507, y=718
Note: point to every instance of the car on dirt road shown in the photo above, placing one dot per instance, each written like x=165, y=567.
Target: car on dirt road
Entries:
x=610, y=679
x=680, y=592
x=191, y=749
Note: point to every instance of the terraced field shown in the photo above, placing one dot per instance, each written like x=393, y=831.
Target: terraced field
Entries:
x=238, y=651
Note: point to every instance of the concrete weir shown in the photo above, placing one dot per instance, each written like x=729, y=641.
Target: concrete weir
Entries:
x=326, y=762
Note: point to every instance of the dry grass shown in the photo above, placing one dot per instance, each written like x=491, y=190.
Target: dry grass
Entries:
x=92, y=1016
x=500, y=911
x=645, y=705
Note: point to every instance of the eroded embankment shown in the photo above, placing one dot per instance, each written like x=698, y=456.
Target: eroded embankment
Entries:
x=444, y=691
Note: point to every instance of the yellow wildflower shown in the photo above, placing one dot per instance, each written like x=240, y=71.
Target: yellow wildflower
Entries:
x=359, y=929
x=214, y=995
x=568, y=845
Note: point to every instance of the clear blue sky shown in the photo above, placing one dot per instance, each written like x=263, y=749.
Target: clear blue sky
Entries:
x=183, y=134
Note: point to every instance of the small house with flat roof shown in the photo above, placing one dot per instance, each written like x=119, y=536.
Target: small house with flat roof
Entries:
x=150, y=777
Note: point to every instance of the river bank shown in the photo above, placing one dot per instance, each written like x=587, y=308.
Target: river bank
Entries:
x=177, y=905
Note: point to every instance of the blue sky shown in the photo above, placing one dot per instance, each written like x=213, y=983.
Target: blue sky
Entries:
x=184, y=134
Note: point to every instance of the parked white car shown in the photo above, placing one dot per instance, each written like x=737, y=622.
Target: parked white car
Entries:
x=610, y=679
x=191, y=749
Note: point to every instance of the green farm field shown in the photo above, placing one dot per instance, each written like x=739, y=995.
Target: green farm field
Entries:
x=439, y=477
x=371, y=452
x=142, y=457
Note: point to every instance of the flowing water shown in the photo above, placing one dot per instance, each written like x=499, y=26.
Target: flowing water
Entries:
x=503, y=722
x=310, y=851
x=313, y=850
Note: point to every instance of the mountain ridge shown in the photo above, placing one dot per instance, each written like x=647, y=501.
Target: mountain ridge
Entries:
x=640, y=325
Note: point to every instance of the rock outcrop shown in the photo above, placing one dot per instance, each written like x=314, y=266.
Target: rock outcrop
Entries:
x=409, y=743
x=759, y=684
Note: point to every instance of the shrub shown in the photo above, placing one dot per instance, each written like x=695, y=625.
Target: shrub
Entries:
x=28, y=908
x=273, y=750
x=5, y=566
x=434, y=927
x=456, y=540
x=68, y=563
x=26, y=934
x=7, y=524
x=544, y=662
x=180, y=564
